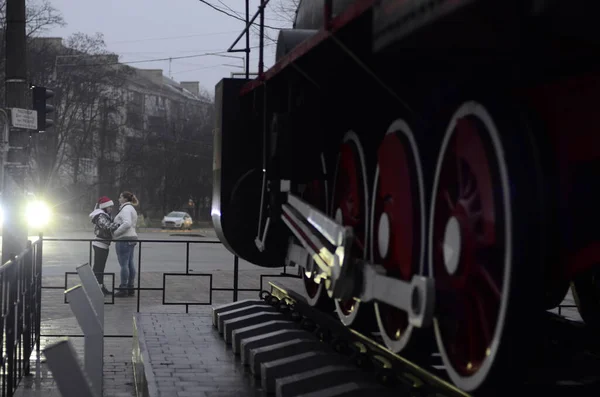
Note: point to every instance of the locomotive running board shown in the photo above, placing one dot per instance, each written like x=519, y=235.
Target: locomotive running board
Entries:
x=329, y=243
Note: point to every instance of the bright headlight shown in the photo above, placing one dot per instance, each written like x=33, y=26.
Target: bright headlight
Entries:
x=38, y=214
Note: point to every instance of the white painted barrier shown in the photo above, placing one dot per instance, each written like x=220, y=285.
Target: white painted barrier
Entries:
x=87, y=304
x=62, y=361
x=92, y=289
x=93, y=334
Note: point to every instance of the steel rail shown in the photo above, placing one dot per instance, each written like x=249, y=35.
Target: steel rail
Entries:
x=395, y=370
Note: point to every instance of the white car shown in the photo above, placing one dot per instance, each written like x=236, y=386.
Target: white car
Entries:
x=177, y=220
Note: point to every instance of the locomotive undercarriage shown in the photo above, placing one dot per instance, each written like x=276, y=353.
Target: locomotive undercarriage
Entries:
x=430, y=197
x=370, y=289
x=332, y=264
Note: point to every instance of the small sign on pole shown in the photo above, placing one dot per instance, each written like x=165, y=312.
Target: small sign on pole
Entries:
x=23, y=118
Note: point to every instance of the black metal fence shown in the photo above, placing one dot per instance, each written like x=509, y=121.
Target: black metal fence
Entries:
x=20, y=302
x=21, y=299
x=234, y=289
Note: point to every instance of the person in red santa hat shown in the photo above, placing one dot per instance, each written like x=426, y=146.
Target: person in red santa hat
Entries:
x=104, y=228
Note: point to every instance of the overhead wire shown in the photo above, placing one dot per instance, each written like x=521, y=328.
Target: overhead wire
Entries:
x=256, y=28
x=204, y=54
x=239, y=13
x=155, y=59
x=231, y=13
x=234, y=16
x=180, y=62
x=172, y=37
x=199, y=68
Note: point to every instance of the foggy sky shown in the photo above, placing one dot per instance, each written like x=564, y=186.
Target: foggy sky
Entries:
x=142, y=30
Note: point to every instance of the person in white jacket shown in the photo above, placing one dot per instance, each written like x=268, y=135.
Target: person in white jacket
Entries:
x=127, y=219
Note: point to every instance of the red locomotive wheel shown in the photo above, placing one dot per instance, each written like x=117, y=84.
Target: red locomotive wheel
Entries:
x=397, y=224
x=317, y=195
x=350, y=208
x=470, y=252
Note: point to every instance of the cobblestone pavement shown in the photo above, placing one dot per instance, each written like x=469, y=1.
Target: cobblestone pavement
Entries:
x=57, y=319
x=118, y=374
x=188, y=358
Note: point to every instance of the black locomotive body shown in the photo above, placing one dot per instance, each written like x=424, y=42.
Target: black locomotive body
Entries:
x=430, y=165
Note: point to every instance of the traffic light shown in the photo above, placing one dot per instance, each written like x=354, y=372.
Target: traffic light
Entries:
x=40, y=97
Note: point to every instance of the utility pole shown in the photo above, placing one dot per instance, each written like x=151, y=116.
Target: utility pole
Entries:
x=14, y=229
x=102, y=180
x=247, y=50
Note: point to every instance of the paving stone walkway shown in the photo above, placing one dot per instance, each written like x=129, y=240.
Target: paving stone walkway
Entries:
x=118, y=373
x=188, y=358
x=58, y=320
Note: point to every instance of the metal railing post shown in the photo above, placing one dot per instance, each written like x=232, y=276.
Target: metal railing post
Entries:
x=70, y=379
x=28, y=321
x=39, y=252
x=90, y=252
x=139, y=276
x=11, y=324
x=236, y=271
x=89, y=322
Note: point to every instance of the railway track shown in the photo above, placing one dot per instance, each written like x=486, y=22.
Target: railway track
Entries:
x=293, y=349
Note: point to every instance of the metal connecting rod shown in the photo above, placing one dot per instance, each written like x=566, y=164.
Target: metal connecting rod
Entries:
x=416, y=297
x=326, y=241
x=329, y=243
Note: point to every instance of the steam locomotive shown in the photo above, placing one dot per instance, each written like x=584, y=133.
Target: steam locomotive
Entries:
x=430, y=165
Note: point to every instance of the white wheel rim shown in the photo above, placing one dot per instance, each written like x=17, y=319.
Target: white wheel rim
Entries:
x=400, y=126
x=338, y=215
x=383, y=233
x=452, y=245
x=470, y=383
x=313, y=300
x=348, y=319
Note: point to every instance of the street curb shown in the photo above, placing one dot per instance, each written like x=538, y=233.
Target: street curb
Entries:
x=143, y=377
x=188, y=235
x=140, y=230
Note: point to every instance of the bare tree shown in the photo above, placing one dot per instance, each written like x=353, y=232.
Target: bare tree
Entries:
x=190, y=172
x=186, y=158
x=285, y=10
x=41, y=16
x=85, y=77
x=170, y=162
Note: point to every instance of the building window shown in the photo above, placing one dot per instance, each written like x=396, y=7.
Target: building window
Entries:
x=156, y=124
x=134, y=150
x=87, y=166
x=135, y=120
x=137, y=101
